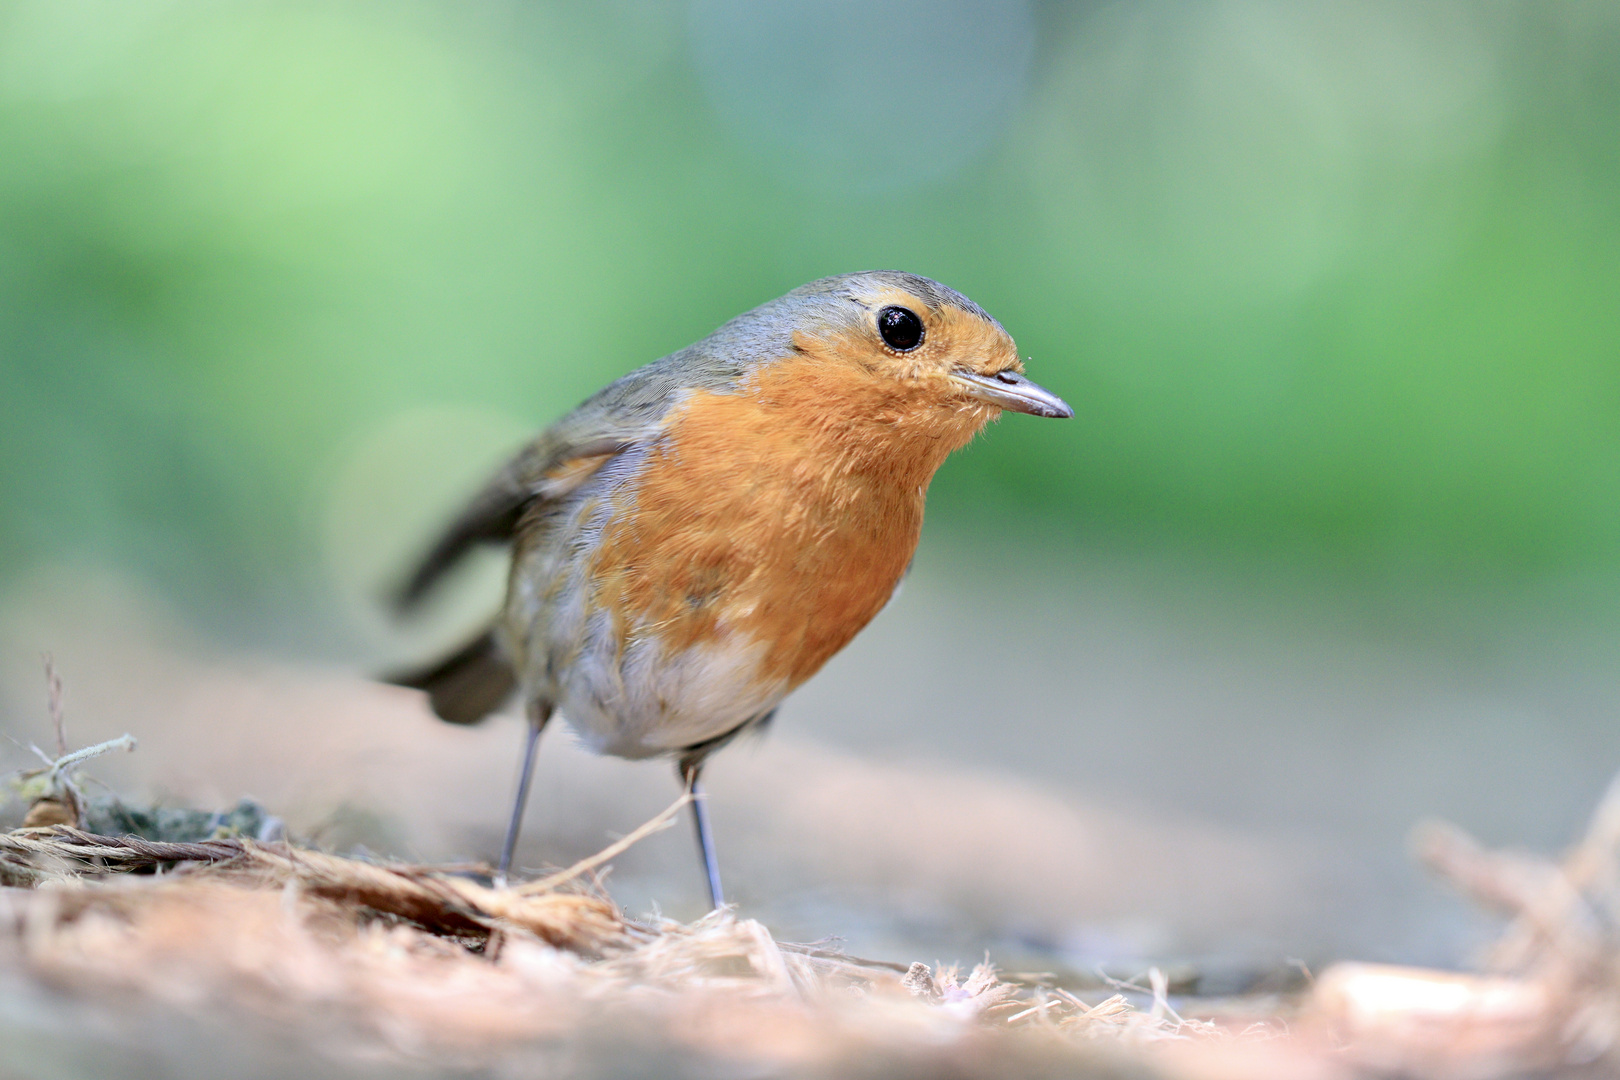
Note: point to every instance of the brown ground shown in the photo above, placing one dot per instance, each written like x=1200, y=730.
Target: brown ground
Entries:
x=285, y=961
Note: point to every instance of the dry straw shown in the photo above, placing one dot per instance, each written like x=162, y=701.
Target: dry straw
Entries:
x=363, y=960
x=430, y=961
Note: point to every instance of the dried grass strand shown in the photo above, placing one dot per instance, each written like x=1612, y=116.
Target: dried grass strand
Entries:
x=657, y=824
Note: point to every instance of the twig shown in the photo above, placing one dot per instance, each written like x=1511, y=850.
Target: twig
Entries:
x=817, y=951
x=1038, y=1007
x=53, y=701
x=1161, y=997
x=612, y=851
x=125, y=741
x=120, y=852
x=1120, y=984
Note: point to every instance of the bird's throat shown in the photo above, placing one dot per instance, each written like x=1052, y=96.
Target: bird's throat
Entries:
x=773, y=518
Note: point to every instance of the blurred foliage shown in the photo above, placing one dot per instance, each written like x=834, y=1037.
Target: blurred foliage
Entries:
x=1331, y=284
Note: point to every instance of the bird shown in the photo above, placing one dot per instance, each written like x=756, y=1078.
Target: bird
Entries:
x=698, y=538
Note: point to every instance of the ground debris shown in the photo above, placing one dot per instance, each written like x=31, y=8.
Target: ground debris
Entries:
x=190, y=918
x=1548, y=1001
x=436, y=968
x=431, y=965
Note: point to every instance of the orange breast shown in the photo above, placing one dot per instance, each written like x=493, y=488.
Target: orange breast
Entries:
x=781, y=516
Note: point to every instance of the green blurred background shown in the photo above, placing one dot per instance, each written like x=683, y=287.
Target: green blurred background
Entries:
x=1333, y=289
x=1332, y=544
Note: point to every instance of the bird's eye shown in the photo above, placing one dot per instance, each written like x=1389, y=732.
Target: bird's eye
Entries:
x=901, y=329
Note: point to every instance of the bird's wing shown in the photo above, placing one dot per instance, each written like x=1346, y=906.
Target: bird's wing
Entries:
x=546, y=469
x=564, y=456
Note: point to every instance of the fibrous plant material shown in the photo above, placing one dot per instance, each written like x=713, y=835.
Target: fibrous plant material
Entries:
x=204, y=918
x=430, y=898
x=1562, y=945
x=365, y=960
x=53, y=792
x=1548, y=1002
x=368, y=958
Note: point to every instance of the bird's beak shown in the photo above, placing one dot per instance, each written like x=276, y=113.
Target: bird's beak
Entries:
x=1011, y=390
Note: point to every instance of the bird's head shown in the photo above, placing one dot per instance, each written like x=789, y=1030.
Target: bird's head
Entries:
x=913, y=330
x=914, y=344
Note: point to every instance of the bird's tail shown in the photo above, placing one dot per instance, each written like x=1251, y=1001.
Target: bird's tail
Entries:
x=467, y=685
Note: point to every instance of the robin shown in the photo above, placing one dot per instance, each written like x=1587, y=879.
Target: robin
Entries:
x=698, y=538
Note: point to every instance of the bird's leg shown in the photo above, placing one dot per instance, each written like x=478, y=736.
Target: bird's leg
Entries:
x=539, y=713
x=691, y=770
